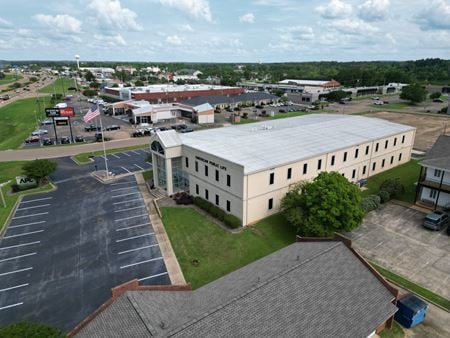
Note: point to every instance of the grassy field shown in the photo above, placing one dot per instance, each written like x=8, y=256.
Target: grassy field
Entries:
x=18, y=120
x=148, y=174
x=399, y=105
x=395, y=332
x=408, y=174
x=10, y=78
x=218, y=251
x=8, y=171
x=413, y=287
x=83, y=158
x=60, y=86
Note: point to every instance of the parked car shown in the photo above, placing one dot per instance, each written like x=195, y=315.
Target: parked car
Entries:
x=386, y=102
x=92, y=127
x=438, y=100
x=375, y=98
x=79, y=138
x=138, y=133
x=435, y=220
x=98, y=137
x=39, y=132
x=64, y=140
x=32, y=139
x=163, y=128
x=378, y=103
x=282, y=111
x=187, y=130
x=5, y=97
x=47, y=142
x=112, y=127
x=46, y=122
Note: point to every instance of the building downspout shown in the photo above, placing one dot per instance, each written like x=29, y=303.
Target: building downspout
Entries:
x=418, y=184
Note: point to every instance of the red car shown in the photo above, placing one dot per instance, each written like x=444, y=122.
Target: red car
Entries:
x=32, y=139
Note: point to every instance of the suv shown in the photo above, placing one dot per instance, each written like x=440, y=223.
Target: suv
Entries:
x=65, y=140
x=435, y=220
x=92, y=127
x=112, y=127
x=47, y=142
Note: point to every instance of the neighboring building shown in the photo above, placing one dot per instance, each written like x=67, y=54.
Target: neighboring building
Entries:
x=99, y=72
x=312, y=83
x=308, y=289
x=434, y=181
x=266, y=87
x=126, y=69
x=246, y=170
x=187, y=75
x=154, y=69
x=223, y=101
x=169, y=93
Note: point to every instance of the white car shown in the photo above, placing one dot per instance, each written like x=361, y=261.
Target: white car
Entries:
x=39, y=132
x=378, y=103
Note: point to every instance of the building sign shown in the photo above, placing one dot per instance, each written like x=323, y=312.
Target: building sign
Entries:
x=26, y=182
x=60, y=112
x=52, y=112
x=211, y=163
x=62, y=121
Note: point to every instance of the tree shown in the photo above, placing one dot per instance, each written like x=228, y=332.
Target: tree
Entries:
x=89, y=76
x=39, y=169
x=30, y=330
x=90, y=92
x=139, y=83
x=323, y=206
x=2, y=75
x=336, y=95
x=414, y=93
x=435, y=95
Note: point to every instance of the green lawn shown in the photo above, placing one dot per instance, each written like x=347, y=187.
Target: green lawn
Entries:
x=83, y=158
x=148, y=174
x=60, y=86
x=218, y=251
x=413, y=287
x=399, y=105
x=10, y=78
x=8, y=171
x=18, y=120
x=395, y=332
x=408, y=174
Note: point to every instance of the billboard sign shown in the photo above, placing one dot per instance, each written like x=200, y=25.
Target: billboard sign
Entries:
x=60, y=112
x=62, y=121
x=52, y=112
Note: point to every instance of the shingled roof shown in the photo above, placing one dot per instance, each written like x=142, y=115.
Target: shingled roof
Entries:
x=311, y=289
x=439, y=155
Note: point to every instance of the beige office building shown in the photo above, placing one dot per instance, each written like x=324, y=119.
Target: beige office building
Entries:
x=246, y=170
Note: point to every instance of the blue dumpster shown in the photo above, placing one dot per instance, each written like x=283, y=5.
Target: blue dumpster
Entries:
x=411, y=311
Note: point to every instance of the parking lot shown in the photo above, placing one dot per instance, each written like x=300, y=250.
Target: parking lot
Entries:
x=63, y=251
x=393, y=236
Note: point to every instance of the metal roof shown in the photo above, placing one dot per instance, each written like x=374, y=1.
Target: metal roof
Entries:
x=203, y=107
x=169, y=138
x=300, y=82
x=269, y=144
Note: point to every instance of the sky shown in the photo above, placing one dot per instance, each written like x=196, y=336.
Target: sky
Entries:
x=224, y=30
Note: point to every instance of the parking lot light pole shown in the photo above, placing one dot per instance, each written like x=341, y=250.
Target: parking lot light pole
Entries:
x=1, y=193
x=103, y=141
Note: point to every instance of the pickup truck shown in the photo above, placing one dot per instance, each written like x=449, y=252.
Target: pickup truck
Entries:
x=92, y=127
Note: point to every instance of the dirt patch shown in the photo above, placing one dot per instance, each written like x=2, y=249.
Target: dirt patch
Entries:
x=429, y=127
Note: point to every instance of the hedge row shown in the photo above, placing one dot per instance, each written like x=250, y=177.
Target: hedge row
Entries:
x=230, y=220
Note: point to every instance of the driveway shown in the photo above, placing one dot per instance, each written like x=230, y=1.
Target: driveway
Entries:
x=394, y=237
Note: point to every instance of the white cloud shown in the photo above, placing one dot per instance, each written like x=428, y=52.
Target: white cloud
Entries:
x=62, y=23
x=374, y=10
x=174, y=40
x=185, y=28
x=335, y=9
x=196, y=8
x=296, y=33
x=248, y=18
x=353, y=27
x=391, y=38
x=5, y=23
x=110, y=40
x=111, y=14
x=435, y=16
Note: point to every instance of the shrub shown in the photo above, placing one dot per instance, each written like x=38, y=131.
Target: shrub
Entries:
x=393, y=187
x=385, y=196
x=371, y=202
x=30, y=330
x=232, y=221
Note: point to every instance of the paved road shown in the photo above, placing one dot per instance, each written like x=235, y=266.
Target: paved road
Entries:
x=61, y=151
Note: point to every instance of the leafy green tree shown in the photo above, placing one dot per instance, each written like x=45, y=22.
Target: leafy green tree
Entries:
x=278, y=92
x=435, y=95
x=328, y=204
x=414, y=93
x=39, y=169
x=2, y=75
x=89, y=76
x=336, y=95
x=90, y=92
x=30, y=330
x=139, y=83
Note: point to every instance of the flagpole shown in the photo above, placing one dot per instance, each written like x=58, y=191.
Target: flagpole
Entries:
x=103, y=141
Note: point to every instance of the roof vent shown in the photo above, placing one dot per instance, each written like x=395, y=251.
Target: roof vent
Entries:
x=162, y=325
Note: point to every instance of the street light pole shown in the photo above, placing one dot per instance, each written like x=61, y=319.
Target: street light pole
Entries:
x=1, y=193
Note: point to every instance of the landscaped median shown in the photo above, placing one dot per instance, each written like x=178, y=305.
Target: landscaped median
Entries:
x=84, y=158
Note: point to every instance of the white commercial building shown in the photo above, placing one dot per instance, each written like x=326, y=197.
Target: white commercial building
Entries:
x=246, y=170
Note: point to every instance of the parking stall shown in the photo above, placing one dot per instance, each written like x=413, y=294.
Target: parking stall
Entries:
x=125, y=162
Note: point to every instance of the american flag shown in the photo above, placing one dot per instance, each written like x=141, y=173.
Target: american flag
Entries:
x=91, y=114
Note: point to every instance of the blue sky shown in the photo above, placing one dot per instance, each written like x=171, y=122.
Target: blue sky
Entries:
x=225, y=30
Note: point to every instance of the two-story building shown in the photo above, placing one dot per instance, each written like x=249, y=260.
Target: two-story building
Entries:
x=246, y=170
x=433, y=188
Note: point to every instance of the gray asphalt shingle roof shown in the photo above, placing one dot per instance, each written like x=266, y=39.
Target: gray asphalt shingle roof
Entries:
x=439, y=155
x=317, y=289
x=230, y=99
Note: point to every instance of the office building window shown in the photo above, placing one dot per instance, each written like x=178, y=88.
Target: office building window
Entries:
x=206, y=170
x=386, y=144
x=228, y=180
x=196, y=166
x=272, y=178
x=332, y=159
x=437, y=173
x=289, y=173
x=382, y=163
x=356, y=152
x=403, y=139
x=319, y=164
x=228, y=205
x=400, y=157
x=196, y=189
x=217, y=175
x=345, y=156
x=367, y=150
x=217, y=199
x=364, y=170
x=270, y=206
x=354, y=173
x=433, y=193
x=206, y=194
x=186, y=160
x=392, y=159
x=374, y=165
x=395, y=141
x=305, y=168
x=376, y=147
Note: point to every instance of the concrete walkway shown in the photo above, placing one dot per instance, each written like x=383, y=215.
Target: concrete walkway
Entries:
x=173, y=268
x=67, y=150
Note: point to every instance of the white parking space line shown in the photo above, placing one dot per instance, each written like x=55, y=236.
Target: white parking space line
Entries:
x=145, y=151
x=38, y=199
x=135, y=152
x=133, y=193
x=132, y=227
x=139, y=167
x=128, y=209
x=126, y=154
x=128, y=201
x=126, y=169
x=142, y=262
x=26, y=224
x=115, y=155
x=14, y=287
x=119, y=183
x=9, y=306
x=17, y=257
x=34, y=206
x=127, y=239
x=39, y=214
x=19, y=245
x=24, y=234
x=148, y=163
x=159, y=274
x=124, y=219
x=15, y=271
x=137, y=249
x=118, y=189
